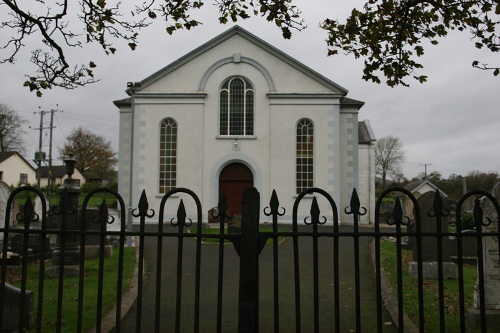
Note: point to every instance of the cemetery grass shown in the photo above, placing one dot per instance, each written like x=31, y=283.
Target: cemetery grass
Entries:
x=70, y=292
x=431, y=299
x=95, y=200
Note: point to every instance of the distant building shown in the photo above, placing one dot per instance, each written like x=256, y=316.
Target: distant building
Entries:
x=15, y=170
x=58, y=174
x=238, y=112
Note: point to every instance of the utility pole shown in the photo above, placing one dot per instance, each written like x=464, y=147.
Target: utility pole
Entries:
x=39, y=155
x=425, y=168
x=49, y=178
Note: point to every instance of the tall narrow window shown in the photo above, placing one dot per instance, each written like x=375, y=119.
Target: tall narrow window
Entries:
x=305, y=157
x=168, y=155
x=236, y=107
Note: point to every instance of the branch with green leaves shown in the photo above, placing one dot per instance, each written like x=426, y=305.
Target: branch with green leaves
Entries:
x=53, y=22
x=391, y=34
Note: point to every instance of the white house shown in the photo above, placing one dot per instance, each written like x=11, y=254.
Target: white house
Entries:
x=235, y=112
x=58, y=175
x=15, y=170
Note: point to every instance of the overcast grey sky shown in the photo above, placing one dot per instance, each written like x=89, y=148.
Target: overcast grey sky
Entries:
x=451, y=121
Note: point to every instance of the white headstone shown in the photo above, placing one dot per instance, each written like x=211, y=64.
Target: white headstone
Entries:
x=491, y=262
x=4, y=196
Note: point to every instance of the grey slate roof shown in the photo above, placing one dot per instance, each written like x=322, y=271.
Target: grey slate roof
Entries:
x=365, y=132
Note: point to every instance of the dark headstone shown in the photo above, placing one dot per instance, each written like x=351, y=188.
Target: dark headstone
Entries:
x=429, y=244
x=34, y=244
x=11, y=309
x=92, y=224
x=428, y=224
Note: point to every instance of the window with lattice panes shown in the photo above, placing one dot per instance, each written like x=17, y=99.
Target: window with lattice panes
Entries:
x=168, y=155
x=304, y=155
x=236, y=107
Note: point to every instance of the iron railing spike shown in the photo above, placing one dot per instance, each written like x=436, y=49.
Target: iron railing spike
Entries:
x=143, y=204
x=397, y=213
x=477, y=213
x=438, y=204
x=274, y=203
x=181, y=213
x=355, y=203
x=315, y=211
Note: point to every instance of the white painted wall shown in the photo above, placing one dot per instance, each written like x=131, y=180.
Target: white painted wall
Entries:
x=13, y=167
x=188, y=92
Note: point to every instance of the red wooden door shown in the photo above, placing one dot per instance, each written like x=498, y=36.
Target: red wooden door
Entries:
x=233, y=179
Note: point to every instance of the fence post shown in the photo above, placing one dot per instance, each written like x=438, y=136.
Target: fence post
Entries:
x=248, y=309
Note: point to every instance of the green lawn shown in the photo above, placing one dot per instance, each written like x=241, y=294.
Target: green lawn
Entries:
x=70, y=293
x=431, y=300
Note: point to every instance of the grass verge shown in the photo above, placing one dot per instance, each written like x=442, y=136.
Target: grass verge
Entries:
x=431, y=294
x=70, y=293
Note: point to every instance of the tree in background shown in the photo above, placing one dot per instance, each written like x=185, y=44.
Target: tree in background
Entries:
x=93, y=153
x=388, y=34
x=389, y=157
x=11, y=130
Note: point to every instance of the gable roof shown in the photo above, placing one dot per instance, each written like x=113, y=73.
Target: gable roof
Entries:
x=58, y=171
x=5, y=155
x=237, y=30
x=416, y=185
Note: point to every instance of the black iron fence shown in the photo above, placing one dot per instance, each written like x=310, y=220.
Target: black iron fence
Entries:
x=313, y=275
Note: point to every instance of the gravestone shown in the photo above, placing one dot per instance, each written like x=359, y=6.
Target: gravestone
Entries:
x=428, y=224
x=34, y=245
x=92, y=242
x=11, y=309
x=4, y=196
x=491, y=264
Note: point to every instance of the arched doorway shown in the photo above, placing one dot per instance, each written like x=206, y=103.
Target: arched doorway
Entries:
x=233, y=179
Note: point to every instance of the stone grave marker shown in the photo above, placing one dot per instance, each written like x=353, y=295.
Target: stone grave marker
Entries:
x=4, y=196
x=428, y=224
x=491, y=264
x=11, y=309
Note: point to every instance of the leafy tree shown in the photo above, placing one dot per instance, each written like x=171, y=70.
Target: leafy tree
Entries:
x=97, y=21
x=11, y=130
x=477, y=180
x=94, y=156
x=389, y=157
x=388, y=34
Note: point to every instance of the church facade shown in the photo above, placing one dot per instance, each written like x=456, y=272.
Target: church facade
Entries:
x=238, y=112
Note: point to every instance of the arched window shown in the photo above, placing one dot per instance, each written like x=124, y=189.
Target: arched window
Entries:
x=168, y=155
x=305, y=155
x=236, y=107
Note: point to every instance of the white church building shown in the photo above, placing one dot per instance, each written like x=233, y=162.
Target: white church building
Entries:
x=238, y=112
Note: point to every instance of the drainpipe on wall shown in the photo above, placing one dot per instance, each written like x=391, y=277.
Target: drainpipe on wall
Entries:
x=132, y=87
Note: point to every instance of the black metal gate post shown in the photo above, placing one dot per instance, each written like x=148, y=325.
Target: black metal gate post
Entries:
x=248, y=310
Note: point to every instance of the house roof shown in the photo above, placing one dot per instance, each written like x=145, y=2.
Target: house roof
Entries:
x=58, y=171
x=5, y=155
x=237, y=30
x=416, y=185
x=365, y=132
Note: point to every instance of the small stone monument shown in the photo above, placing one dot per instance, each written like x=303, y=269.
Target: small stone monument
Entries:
x=4, y=196
x=428, y=224
x=67, y=255
x=491, y=264
x=11, y=310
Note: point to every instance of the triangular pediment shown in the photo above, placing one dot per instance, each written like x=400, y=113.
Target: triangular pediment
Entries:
x=237, y=45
